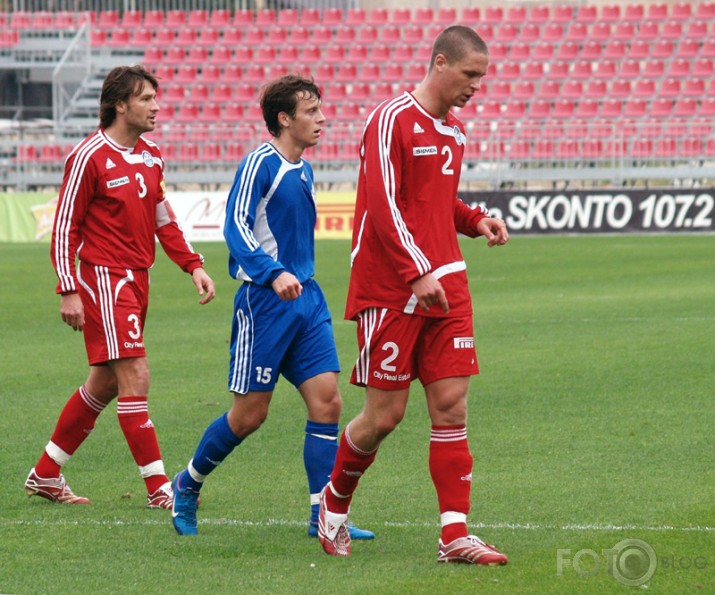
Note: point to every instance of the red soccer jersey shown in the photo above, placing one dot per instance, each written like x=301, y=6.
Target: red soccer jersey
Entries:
x=407, y=213
x=111, y=205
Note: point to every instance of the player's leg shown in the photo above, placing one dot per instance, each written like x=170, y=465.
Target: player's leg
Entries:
x=256, y=351
x=448, y=361
x=75, y=423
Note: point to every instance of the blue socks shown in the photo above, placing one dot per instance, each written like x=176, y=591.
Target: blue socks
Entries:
x=319, y=451
x=216, y=444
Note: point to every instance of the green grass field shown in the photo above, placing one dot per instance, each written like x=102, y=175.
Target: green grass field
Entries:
x=591, y=423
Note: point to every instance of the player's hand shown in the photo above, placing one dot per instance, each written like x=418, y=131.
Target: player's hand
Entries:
x=494, y=230
x=429, y=291
x=204, y=285
x=72, y=311
x=287, y=286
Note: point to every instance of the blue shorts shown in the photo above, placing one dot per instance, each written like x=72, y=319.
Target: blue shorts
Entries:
x=270, y=336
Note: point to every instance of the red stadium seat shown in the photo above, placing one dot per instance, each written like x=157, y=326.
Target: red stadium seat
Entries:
x=582, y=69
x=471, y=15
x=635, y=108
x=563, y=108
x=611, y=108
x=186, y=37
x=672, y=30
x=539, y=109
x=542, y=50
x=412, y=33
x=108, y=19
x=644, y=88
x=310, y=54
x=346, y=72
x=614, y=50
x=586, y=108
x=233, y=112
x=630, y=69
x=657, y=11
x=549, y=90
x=332, y=16
x=175, y=55
x=624, y=31
x=600, y=31
x=356, y=17
x=653, y=69
x=402, y=52
x=390, y=34
x=377, y=16
x=705, y=10
x=648, y=31
x=415, y=72
x=558, y=70
x=529, y=32
x=499, y=90
x=198, y=18
x=97, y=38
x=253, y=35
x=587, y=13
x=219, y=17
x=553, y=31
x=610, y=13
x=562, y=13
x=523, y=90
x=175, y=19
x=254, y=73
x=243, y=17
x=572, y=89
x=369, y=72
x=446, y=16
x=670, y=87
x=707, y=107
x=591, y=50
x=540, y=13
x=164, y=37
x=707, y=49
x=400, y=16
x=634, y=12
x=691, y=147
x=210, y=73
x=423, y=16
x=344, y=34
x=288, y=54
x=638, y=49
x=119, y=37
x=702, y=67
x=685, y=106
x=688, y=48
x=577, y=32
x=366, y=34
x=188, y=112
x=663, y=48
x=186, y=74
x=321, y=35
x=357, y=53
x=506, y=32
x=620, y=88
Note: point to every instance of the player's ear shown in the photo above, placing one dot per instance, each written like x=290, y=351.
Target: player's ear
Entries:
x=284, y=119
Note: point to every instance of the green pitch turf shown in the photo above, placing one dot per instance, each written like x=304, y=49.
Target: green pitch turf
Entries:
x=591, y=423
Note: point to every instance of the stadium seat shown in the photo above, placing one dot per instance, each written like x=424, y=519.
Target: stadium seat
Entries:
x=276, y=36
x=491, y=109
x=188, y=112
x=638, y=49
x=185, y=37
x=572, y=89
x=651, y=128
x=321, y=35
x=543, y=149
x=141, y=37
x=288, y=54
x=590, y=50
x=310, y=54
x=614, y=50
x=563, y=108
x=529, y=33
x=243, y=17
x=702, y=67
x=265, y=17
x=65, y=19
x=254, y=73
x=539, y=109
x=657, y=11
x=630, y=69
x=175, y=19
x=221, y=54
x=402, y=52
x=415, y=72
x=344, y=34
x=523, y=90
x=253, y=35
x=357, y=53
x=660, y=107
x=309, y=17
x=349, y=110
x=164, y=37
x=356, y=17
x=663, y=48
x=186, y=74
x=506, y=32
x=653, y=69
x=219, y=17
x=197, y=18
x=648, y=31
x=164, y=73
x=558, y=70
x=679, y=68
x=685, y=106
x=596, y=89
x=587, y=13
x=707, y=107
x=509, y=70
x=286, y=18
x=634, y=12
x=620, y=88
x=553, y=31
x=681, y=11
x=210, y=73
x=688, y=48
x=347, y=73
x=600, y=31
x=471, y=15
x=332, y=17
x=672, y=30
x=493, y=14
x=610, y=13
x=542, y=50
x=577, y=32
x=390, y=34
x=611, y=108
x=562, y=13
x=499, y=90
x=412, y=34
x=400, y=16
x=549, y=90
x=97, y=38
x=583, y=69
x=366, y=34
x=707, y=50
x=118, y=38
x=705, y=10
x=643, y=88
x=624, y=31
x=107, y=19
x=369, y=72
x=175, y=55
x=244, y=92
x=445, y=16
x=586, y=108
x=377, y=16
x=174, y=93
x=231, y=37
x=635, y=108
x=691, y=147
x=670, y=87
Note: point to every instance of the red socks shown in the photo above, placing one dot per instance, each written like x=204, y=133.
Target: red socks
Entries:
x=75, y=423
x=133, y=414
x=450, y=464
x=350, y=464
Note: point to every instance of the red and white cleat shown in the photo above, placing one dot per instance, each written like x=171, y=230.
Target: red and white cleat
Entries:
x=54, y=489
x=333, y=531
x=162, y=498
x=470, y=550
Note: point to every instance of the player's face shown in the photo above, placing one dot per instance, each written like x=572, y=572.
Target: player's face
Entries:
x=141, y=110
x=307, y=124
x=464, y=78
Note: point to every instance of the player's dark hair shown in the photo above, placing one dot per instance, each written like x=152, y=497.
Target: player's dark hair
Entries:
x=282, y=95
x=454, y=43
x=120, y=84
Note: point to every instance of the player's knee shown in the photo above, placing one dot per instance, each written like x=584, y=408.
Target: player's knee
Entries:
x=387, y=423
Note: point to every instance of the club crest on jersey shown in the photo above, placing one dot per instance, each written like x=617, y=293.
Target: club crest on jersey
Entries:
x=459, y=137
x=118, y=182
x=148, y=159
x=420, y=151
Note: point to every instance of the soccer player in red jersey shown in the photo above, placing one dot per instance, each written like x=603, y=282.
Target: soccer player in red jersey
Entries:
x=409, y=292
x=111, y=207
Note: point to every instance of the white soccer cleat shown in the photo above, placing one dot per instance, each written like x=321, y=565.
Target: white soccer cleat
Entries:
x=470, y=550
x=333, y=531
x=54, y=489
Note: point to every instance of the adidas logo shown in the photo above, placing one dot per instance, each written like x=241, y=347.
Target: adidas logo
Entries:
x=146, y=425
x=110, y=164
x=466, y=477
x=302, y=177
x=417, y=129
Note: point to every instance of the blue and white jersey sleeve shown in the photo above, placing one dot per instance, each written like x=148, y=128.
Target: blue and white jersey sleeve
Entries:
x=270, y=218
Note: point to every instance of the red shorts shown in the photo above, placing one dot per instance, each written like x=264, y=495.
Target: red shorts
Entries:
x=396, y=348
x=115, y=305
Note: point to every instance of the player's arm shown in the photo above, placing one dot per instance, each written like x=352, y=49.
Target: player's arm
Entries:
x=477, y=222
x=241, y=206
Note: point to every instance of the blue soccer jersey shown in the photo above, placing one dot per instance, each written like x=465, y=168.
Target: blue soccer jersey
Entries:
x=270, y=223
x=270, y=218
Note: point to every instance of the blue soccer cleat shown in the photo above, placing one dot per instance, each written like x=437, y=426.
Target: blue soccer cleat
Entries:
x=355, y=532
x=183, y=511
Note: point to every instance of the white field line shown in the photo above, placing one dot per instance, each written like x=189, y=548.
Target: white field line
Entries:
x=303, y=523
